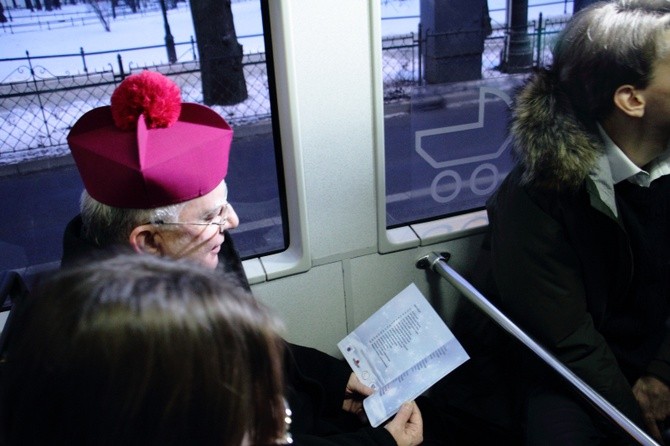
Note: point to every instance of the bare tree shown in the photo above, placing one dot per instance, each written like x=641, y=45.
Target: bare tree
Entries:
x=133, y=4
x=50, y=5
x=220, y=53
x=101, y=11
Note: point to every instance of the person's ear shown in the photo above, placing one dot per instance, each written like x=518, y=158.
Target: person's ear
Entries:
x=145, y=239
x=630, y=101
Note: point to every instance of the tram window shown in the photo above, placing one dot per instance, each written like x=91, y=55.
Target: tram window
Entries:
x=258, y=191
x=39, y=184
x=448, y=87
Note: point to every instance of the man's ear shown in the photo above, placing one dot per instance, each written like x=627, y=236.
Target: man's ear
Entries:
x=630, y=100
x=145, y=239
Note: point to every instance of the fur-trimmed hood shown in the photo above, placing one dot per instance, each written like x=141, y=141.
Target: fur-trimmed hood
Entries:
x=554, y=147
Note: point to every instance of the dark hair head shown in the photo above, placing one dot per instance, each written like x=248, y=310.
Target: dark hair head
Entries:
x=607, y=45
x=142, y=350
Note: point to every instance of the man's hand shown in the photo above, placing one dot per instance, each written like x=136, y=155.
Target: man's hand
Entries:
x=354, y=395
x=407, y=425
x=653, y=396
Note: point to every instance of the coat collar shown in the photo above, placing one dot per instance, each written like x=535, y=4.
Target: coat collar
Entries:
x=601, y=193
x=555, y=148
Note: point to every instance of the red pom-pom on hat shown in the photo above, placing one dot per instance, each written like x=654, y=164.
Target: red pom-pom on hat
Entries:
x=147, y=93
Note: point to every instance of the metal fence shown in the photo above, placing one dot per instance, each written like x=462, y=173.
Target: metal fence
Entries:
x=57, y=20
x=37, y=113
x=402, y=55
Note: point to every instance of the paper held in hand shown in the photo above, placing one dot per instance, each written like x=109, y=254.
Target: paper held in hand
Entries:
x=401, y=351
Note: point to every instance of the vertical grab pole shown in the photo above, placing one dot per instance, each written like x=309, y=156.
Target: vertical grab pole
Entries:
x=438, y=264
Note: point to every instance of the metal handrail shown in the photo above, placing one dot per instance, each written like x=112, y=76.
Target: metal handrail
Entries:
x=438, y=263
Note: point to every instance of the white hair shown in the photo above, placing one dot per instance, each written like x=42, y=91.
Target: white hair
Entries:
x=106, y=225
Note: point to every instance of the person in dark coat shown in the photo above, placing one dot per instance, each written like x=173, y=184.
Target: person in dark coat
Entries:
x=578, y=242
x=154, y=172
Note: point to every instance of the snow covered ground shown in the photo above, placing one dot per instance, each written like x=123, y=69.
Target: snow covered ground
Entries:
x=127, y=31
x=147, y=29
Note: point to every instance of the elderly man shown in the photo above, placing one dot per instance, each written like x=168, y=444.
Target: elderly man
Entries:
x=154, y=173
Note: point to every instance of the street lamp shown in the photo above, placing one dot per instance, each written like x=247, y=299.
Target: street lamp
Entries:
x=169, y=40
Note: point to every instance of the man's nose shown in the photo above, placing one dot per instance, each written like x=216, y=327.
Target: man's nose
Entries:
x=232, y=219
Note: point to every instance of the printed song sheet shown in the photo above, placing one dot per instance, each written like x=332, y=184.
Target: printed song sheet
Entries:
x=401, y=351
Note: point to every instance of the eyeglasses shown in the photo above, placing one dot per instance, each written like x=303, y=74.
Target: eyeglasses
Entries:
x=223, y=213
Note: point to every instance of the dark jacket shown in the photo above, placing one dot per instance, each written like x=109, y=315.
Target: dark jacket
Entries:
x=316, y=384
x=315, y=381
x=561, y=257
